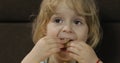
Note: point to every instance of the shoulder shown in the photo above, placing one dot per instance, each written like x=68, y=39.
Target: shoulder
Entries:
x=42, y=62
x=46, y=61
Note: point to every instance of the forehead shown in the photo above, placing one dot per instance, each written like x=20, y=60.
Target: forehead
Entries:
x=63, y=8
x=67, y=6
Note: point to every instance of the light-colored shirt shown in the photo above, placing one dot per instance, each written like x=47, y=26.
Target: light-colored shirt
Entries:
x=46, y=61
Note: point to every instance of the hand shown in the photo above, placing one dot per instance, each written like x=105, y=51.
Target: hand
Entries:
x=48, y=46
x=82, y=52
x=44, y=48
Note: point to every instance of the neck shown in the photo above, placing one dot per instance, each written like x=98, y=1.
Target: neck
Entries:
x=52, y=59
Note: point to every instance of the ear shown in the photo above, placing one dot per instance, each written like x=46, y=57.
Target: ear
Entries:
x=44, y=33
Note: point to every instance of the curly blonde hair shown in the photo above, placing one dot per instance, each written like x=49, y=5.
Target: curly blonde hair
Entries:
x=48, y=7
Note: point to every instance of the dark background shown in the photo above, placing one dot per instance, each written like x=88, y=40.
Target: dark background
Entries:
x=16, y=24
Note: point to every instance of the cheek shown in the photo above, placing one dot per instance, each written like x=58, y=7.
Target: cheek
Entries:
x=82, y=34
x=52, y=31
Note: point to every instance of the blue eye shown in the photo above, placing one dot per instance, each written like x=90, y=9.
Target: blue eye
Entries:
x=77, y=22
x=58, y=20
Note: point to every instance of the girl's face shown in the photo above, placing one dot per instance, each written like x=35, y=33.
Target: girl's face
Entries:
x=65, y=23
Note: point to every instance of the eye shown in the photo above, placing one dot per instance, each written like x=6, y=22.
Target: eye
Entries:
x=77, y=22
x=58, y=20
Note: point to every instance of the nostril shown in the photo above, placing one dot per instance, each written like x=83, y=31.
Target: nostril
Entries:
x=67, y=31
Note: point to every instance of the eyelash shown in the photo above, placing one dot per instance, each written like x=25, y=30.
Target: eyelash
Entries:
x=58, y=20
x=77, y=22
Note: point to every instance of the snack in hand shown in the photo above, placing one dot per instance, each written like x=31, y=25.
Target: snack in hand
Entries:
x=66, y=44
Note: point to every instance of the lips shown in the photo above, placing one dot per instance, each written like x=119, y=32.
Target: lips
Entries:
x=67, y=40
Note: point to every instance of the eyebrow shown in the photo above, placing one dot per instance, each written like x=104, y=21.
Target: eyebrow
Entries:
x=76, y=15
x=56, y=13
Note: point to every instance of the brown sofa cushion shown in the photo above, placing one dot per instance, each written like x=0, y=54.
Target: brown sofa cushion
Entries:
x=21, y=10
x=15, y=41
x=110, y=47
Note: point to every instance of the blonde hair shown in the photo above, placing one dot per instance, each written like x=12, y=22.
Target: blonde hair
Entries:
x=48, y=7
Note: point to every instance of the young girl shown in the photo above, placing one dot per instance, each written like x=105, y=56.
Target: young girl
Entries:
x=65, y=31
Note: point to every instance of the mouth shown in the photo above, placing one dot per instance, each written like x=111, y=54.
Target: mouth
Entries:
x=67, y=40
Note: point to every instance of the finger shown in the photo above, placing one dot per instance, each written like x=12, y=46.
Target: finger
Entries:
x=84, y=44
x=53, y=51
x=54, y=40
x=56, y=46
x=74, y=50
x=74, y=56
x=75, y=45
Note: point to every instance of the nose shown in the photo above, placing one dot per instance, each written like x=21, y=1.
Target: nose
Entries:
x=67, y=29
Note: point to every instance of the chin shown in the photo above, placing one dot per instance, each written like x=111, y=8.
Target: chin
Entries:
x=64, y=56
